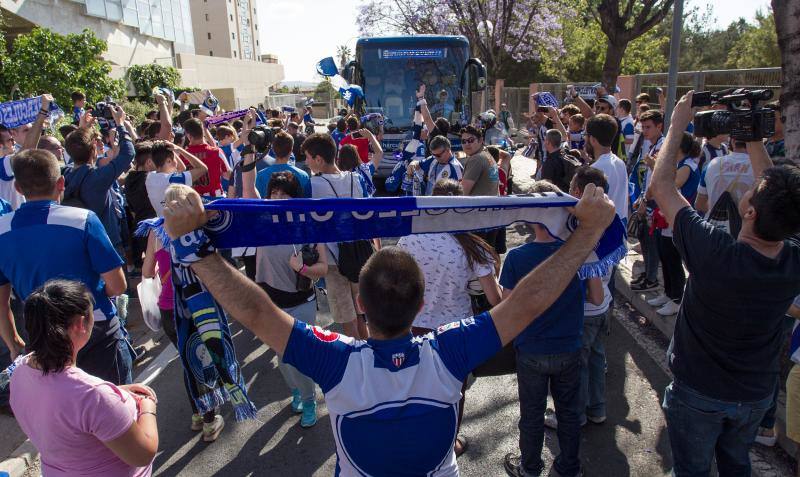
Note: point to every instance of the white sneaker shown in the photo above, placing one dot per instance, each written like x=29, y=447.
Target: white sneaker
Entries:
x=212, y=429
x=670, y=308
x=659, y=301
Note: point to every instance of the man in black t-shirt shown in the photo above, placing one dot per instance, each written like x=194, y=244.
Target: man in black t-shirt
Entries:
x=725, y=349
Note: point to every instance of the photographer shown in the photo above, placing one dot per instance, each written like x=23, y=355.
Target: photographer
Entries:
x=725, y=349
x=89, y=185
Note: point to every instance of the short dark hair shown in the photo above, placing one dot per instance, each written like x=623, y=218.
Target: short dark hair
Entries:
x=391, y=286
x=66, y=129
x=554, y=137
x=348, y=157
x=776, y=198
x=642, y=97
x=654, y=115
x=224, y=131
x=341, y=125
x=153, y=129
x=690, y=146
x=49, y=312
x=578, y=118
x=322, y=145
x=352, y=122
x=603, y=128
x=585, y=175
x=77, y=96
x=36, y=172
x=448, y=187
x=284, y=181
x=194, y=128
x=80, y=145
x=571, y=109
x=282, y=144
x=160, y=152
x=494, y=151
x=472, y=131
x=144, y=151
x=625, y=104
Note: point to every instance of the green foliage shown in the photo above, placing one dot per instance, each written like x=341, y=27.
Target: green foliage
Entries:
x=45, y=62
x=136, y=110
x=146, y=77
x=758, y=45
x=324, y=91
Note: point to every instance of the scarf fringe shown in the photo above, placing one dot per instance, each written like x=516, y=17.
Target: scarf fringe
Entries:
x=603, y=266
x=157, y=226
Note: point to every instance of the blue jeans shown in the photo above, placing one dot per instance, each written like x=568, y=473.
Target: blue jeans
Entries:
x=307, y=313
x=593, y=367
x=700, y=427
x=561, y=374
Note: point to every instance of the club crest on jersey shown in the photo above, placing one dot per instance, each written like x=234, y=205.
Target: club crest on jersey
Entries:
x=398, y=359
x=448, y=326
x=326, y=336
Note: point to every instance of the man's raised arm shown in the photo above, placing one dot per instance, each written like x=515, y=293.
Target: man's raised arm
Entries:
x=246, y=302
x=662, y=186
x=541, y=287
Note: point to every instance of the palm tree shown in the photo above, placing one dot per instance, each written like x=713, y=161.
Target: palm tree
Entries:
x=344, y=53
x=787, y=24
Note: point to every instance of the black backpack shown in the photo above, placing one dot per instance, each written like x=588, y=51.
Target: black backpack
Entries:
x=74, y=199
x=352, y=255
x=725, y=215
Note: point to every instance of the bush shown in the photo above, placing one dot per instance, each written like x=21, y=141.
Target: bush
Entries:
x=146, y=77
x=136, y=110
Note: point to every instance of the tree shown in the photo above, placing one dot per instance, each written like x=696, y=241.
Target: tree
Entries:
x=344, y=54
x=500, y=32
x=146, y=77
x=623, y=21
x=787, y=25
x=45, y=62
x=758, y=45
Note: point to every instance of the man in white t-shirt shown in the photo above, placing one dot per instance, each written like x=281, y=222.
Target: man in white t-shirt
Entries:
x=170, y=170
x=7, y=149
x=601, y=129
x=329, y=181
x=730, y=172
x=626, y=123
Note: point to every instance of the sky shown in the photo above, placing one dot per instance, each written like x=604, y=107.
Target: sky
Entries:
x=301, y=32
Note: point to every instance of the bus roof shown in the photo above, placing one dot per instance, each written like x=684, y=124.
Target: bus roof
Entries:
x=450, y=40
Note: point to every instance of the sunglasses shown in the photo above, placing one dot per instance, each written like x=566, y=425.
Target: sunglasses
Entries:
x=469, y=140
x=437, y=156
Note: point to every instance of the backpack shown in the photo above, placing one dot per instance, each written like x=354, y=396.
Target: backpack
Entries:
x=352, y=255
x=74, y=199
x=725, y=213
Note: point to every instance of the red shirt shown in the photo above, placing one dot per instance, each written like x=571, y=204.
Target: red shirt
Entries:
x=361, y=143
x=210, y=184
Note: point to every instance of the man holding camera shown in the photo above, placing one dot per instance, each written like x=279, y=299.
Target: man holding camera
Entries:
x=724, y=353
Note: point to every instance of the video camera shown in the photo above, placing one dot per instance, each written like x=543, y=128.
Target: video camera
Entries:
x=743, y=123
x=259, y=139
x=104, y=112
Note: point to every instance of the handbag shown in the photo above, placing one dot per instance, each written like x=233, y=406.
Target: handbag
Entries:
x=636, y=225
x=310, y=256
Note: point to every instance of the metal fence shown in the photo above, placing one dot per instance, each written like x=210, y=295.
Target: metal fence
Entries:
x=516, y=99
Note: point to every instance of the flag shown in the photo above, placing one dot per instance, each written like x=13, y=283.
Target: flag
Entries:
x=327, y=67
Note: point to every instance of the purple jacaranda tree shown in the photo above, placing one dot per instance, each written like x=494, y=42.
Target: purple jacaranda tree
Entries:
x=499, y=31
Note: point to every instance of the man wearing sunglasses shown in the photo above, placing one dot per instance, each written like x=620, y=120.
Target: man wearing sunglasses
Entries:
x=481, y=174
x=441, y=165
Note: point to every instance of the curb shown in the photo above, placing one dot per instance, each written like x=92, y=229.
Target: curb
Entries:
x=666, y=325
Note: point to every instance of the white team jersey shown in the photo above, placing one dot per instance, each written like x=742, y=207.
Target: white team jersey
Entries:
x=393, y=404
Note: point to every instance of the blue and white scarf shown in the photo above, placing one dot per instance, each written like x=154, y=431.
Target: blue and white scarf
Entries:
x=254, y=223
x=14, y=114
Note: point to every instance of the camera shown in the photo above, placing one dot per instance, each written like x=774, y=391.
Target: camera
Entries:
x=260, y=138
x=104, y=112
x=741, y=121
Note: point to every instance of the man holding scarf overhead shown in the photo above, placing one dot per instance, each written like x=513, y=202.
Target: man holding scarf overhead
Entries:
x=382, y=392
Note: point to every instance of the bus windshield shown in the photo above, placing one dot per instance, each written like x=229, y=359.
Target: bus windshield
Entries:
x=391, y=76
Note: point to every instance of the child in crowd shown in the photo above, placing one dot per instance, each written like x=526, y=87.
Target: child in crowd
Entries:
x=577, y=138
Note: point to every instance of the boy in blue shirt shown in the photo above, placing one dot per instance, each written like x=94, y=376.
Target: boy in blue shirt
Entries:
x=548, y=357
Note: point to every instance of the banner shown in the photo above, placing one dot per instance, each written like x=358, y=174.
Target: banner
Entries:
x=14, y=114
x=253, y=223
x=230, y=116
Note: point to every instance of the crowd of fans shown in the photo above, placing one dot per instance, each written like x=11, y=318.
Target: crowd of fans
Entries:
x=415, y=319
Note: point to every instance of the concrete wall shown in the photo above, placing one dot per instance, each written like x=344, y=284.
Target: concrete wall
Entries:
x=248, y=80
x=220, y=24
x=126, y=46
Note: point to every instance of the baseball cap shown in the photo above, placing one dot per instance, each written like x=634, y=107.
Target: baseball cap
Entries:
x=610, y=100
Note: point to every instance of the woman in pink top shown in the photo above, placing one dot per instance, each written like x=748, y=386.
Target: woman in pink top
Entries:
x=81, y=424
